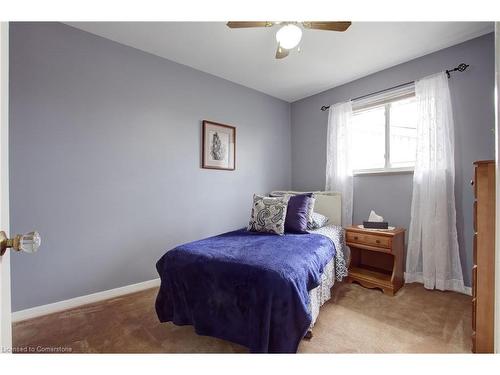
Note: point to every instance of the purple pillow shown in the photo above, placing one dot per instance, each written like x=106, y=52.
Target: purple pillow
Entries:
x=297, y=213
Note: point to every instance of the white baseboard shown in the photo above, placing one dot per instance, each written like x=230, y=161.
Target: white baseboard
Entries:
x=37, y=311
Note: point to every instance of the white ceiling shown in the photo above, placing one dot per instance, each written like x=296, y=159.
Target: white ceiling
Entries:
x=327, y=59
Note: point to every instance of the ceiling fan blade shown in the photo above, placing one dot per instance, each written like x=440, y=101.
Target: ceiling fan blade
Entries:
x=281, y=52
x=244, y=24
x=327, y=25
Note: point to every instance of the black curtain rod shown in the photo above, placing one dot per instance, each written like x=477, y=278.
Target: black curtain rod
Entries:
x=460, y=68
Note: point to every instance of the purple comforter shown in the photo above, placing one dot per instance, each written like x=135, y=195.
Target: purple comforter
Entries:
x=248, y=288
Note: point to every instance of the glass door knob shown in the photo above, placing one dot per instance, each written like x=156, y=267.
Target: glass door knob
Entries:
x=29, y=242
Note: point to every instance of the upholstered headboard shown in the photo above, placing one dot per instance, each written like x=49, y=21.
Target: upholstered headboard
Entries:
x=328, y=203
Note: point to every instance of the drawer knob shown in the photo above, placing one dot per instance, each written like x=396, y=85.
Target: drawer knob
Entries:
x=472, y=182
x=355, y=237
x=377, y=241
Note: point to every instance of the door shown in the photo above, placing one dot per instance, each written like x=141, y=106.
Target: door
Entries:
x=5, y=310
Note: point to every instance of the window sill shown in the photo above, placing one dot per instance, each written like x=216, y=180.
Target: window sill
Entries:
x=382, y=172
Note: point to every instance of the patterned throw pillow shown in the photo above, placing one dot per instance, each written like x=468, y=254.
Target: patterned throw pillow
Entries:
x=268, y=214
x=310, y=210
x=318, y=221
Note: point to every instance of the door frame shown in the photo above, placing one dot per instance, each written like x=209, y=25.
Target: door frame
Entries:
x=5, y=286
x=497, y=193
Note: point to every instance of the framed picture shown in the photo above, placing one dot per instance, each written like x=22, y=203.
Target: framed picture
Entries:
x=219, y=146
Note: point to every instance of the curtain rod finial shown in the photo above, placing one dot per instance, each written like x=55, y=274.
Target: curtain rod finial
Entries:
x=460, y=68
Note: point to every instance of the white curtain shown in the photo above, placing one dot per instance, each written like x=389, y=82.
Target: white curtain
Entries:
x=338, y=156
x=432, y=256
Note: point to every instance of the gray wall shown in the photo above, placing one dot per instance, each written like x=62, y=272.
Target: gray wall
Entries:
x=105, y=159
x=473, y=105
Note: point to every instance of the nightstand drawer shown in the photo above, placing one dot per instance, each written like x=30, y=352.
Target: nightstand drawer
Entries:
x=369, y=239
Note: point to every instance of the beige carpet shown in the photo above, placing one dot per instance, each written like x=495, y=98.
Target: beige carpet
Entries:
x=356, y=320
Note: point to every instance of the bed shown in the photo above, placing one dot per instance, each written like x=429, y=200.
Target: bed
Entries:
x=258, y=290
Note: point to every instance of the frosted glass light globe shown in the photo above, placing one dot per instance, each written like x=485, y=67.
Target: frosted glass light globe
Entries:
x=289, y=36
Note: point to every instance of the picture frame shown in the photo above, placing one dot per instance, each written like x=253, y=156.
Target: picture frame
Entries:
x=218, y=146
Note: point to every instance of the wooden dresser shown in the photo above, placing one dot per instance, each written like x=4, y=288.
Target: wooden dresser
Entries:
x=483, y=271
x=376, y=258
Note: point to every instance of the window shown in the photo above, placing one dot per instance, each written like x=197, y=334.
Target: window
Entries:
x=384, y=136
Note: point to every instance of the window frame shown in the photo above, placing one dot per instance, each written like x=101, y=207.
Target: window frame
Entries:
x=385, y=100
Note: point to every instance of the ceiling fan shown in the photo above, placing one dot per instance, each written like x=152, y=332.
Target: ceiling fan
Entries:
x=290, y=33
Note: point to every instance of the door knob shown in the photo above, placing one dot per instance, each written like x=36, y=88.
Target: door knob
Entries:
x=29, y=242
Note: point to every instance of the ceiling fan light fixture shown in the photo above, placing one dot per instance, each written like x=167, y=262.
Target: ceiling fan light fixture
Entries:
x=289, y=36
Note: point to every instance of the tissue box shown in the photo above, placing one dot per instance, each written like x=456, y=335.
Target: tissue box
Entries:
x=376, y=224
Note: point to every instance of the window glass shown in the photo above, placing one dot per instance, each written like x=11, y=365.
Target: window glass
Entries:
x=403, y=133
x=397, y=117
x=368, y=138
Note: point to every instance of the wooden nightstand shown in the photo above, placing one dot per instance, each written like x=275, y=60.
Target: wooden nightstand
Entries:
x=376, y=258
